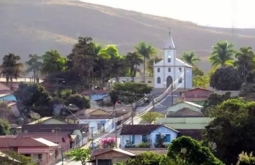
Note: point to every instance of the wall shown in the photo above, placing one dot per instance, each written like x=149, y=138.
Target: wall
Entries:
x=183, y=105
x=163, y=131
x=109, y=124
x=124, y=138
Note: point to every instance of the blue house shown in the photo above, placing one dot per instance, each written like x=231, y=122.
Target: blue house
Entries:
x=138, y=134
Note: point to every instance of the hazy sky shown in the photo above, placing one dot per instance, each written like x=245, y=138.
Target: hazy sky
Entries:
x=222, y=13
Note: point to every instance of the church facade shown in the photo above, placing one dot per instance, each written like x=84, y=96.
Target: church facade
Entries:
x=171, y=69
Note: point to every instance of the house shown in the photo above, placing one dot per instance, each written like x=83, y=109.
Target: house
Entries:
x=109, y=156
x=113, y=155
x=137, y=134
x=64, y=139
x=184, y=104
x=98, y=119
x=196, y=95
x=4, y=90
x=171, y=69
x=40, y=150
x=48, y=120
x=189, y=122
x=80, y=130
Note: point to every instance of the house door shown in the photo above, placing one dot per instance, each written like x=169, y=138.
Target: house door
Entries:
x=169, y=81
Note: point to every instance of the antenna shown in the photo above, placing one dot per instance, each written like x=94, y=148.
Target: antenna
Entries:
x=169, y=31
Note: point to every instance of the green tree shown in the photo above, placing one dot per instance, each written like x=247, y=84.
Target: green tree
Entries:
x=52, y=62
x=226, y=78
x=150, y=64
x=116, y=61
x=32, y=96
x=146, y=51
x=129, y=93
x=34, y=65
x=79, y=155
x=151, y=116
x=82, y=59
x=4, y=127
x=80, y=101
x=187, y=151
x=146, y=158
x=18, y=159
x=231, y=120
x=11, y=68
x=200, y=81
x=245, y=61
x=133, y=61
x=222, y=55
x=214, y=100
x=190, y=58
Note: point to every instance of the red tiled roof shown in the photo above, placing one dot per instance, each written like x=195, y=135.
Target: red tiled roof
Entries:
x=55, y=137
x=14, y=141
x=141, y=129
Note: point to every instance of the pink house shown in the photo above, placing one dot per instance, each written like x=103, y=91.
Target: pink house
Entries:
x=42, y=151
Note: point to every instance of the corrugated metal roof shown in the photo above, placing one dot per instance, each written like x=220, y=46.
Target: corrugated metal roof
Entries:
x=46, y=142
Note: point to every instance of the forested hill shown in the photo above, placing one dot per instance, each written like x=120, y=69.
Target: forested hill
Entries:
x=35, y=26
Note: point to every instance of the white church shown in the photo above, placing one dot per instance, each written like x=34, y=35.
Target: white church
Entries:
x=172, y=69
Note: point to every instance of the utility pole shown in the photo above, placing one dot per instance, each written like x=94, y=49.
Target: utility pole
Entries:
x=115, y=120
x=172, y=95
x=153, y=107
x=92, y=138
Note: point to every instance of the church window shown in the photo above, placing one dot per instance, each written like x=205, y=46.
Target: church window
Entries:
x=158, y=80
x=180, y=81
x=158, y=69
x=169, y=69
x=180, y=69
x=169, y=59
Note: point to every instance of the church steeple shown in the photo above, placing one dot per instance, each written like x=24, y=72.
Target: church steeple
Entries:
x=170, y=42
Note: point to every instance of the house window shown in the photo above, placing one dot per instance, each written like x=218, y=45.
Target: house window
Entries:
x=169, y=69
x=158, y=69
x=39, y=156
x=144, y=138
x=158, y=80
x=149, y=81
x=168, y=138
x=180, y=81
x=157, y=137
x=180, y=69
x=133, y=139
x=169, y=59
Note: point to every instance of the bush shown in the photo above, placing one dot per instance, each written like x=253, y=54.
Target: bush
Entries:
x=143, y=145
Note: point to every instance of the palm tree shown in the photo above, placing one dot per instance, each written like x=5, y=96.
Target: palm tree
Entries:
x=10, y=68
x=34, y=65
x=190, y=58
x=245, y=61
x=150, y=64
x=146, y=51
x=133, y=60
x=222, y=54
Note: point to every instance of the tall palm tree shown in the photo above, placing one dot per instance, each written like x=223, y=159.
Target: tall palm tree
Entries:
x=11, y=68
x=245, y=61
x=34, y=65
x=222, y=54
x=146, y=51
x=190, y=58
x=133, y=60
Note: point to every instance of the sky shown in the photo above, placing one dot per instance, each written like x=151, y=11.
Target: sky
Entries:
x=216, y=13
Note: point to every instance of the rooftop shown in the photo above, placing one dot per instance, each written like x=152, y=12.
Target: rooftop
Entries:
x=141, y=129
x=185, y=112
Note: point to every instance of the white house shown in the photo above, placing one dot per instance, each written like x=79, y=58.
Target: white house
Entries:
x=171, y=68
x=137, y=134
